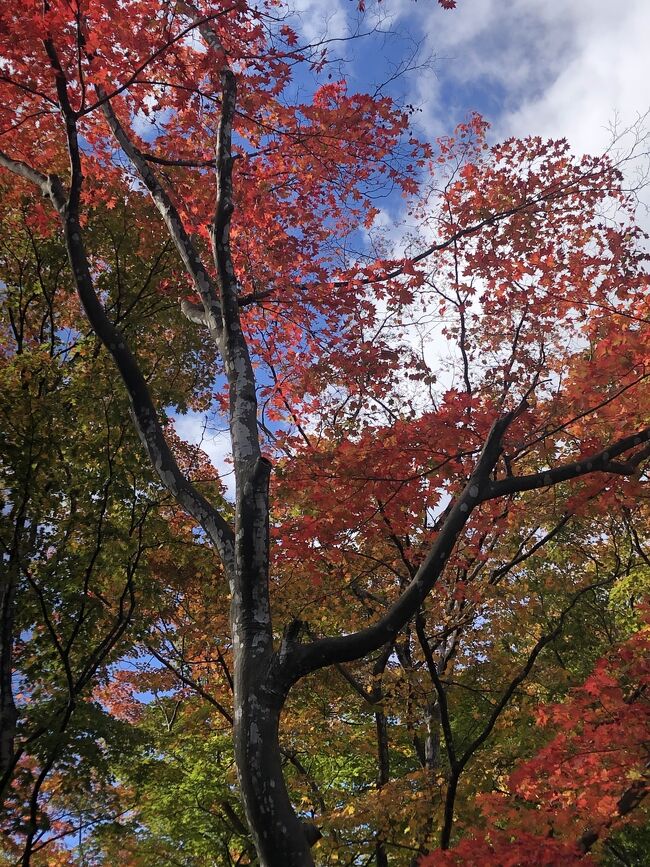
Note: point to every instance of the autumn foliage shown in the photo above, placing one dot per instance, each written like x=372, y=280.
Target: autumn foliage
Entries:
x=584, y=783
x=403, y=620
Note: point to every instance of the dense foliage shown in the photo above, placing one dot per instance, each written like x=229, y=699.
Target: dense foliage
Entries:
x=455, y=541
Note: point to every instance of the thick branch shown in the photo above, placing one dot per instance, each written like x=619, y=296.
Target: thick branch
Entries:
x=327, y=651
x=203, y=23
x=179, y=163
x=601, y=462
x=194, y=312
x=144, y=411
x=18, y=167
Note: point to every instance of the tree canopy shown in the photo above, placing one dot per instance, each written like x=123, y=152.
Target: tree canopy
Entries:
x=406, y=621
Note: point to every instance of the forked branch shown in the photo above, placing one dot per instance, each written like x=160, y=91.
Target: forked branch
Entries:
x=328, y=651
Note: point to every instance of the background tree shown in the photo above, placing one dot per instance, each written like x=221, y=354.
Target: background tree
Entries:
x=381, y=494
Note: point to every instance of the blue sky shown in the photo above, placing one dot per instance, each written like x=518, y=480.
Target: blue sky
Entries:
x=556, y=68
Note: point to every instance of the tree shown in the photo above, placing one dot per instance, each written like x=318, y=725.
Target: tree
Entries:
x=590, y=776
x=81, y=518
x=309, y=353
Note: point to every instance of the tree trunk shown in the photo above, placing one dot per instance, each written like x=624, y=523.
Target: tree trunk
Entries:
x=259, y=690
x=8, y=714
x=432, y=739
x=279, y=836
x=383, y=776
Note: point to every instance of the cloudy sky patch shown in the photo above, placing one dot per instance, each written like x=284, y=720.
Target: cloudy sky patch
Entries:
x=193, y=427
x=555, y=68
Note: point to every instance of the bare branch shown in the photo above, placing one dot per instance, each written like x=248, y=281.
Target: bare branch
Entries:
x=18, y=167
x=197, y=23
x=192, y=683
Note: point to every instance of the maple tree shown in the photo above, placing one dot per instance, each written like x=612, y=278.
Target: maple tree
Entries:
x=590, y=776
x=433, y=527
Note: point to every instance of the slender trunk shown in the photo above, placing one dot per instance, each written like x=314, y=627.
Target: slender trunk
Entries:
x=430, y=759
x=8, y=714
x=383, y=776
x=432, y=740
x=450, y=800
x=8, y=587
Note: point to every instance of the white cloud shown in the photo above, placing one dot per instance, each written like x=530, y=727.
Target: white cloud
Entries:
x=557, y=69
x=193, y=427
x=604, y=75
x=317, y=20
